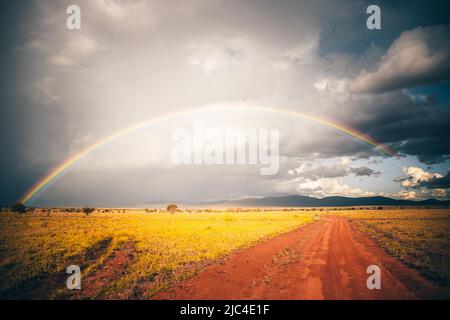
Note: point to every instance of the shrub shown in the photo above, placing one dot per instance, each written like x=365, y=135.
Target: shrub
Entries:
x=19, y=208
x=88, y=210
x=172, y=208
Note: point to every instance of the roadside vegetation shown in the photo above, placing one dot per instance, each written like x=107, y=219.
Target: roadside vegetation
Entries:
x=418, y=237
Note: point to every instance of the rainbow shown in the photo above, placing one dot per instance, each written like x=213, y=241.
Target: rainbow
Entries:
x=56, y=172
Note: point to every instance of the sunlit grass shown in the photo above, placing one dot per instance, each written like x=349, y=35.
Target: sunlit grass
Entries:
x=33, y=245
x=418, y=237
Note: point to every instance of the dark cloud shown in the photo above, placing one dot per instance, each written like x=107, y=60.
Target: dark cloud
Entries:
x=409, y=126
x=324, y=172
x=437, y=182
x=363, y=171
x=417, y=57
x=335, y=171
x=61, y=91
x=397, y=16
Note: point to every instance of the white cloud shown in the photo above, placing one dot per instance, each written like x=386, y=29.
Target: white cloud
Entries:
x=414, y=176
x=210, y=56
x=77, y=48
x=422, y=194
x=333, y=86
x=113, y=8
x=328, y=187
x=407, y=194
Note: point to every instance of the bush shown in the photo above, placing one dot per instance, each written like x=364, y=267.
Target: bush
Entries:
x=172, y=208
x=19, y=208
x=88, y=210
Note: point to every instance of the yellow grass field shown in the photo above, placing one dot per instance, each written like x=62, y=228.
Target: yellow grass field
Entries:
x=418, y=237
x=132, y=254
x=161, y=249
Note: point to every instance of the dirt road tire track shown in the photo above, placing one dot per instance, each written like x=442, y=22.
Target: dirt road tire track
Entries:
x=327, y=259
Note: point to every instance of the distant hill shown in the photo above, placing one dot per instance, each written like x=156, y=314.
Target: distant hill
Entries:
x=304, y=201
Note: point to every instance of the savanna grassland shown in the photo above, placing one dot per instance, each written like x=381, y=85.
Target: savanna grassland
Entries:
x=123, y=254
x=418, y=237
x=135, y=254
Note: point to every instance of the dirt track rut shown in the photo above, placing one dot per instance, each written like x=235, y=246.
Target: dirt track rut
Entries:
x=327, y=259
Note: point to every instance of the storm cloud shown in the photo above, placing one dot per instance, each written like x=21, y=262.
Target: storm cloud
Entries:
x=64, y=90
x=418, y=56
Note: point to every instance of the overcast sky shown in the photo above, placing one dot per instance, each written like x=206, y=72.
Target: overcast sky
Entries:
x=62, y=90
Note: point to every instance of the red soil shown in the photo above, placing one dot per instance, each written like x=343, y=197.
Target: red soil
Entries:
x=327, y=259
x=114, y=267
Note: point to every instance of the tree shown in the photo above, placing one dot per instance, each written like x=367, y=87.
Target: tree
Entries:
x=19, y=207
x=88, y=210
x=172, y=208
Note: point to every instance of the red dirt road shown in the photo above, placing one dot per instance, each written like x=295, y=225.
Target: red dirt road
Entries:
x=327, y=259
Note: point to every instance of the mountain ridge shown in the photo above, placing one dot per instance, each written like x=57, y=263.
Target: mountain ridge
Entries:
x=332, y=201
